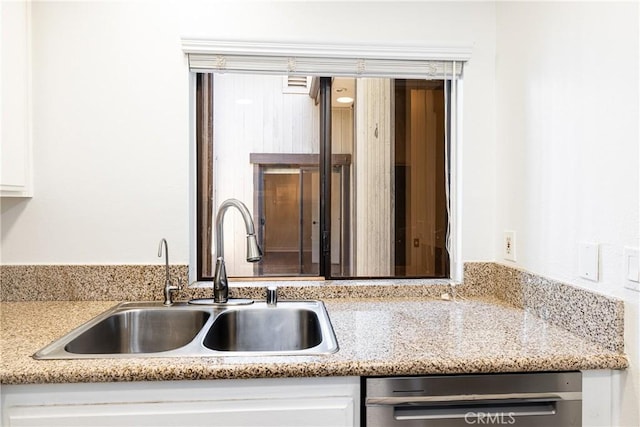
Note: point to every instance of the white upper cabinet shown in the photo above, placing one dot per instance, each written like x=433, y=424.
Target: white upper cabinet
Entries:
x=15, y=135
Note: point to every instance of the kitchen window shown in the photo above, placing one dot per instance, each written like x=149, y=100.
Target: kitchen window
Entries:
x=347, y=175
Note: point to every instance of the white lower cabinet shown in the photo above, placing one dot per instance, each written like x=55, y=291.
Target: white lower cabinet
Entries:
x=328, y=401
x=598, y=398
x=300, y=402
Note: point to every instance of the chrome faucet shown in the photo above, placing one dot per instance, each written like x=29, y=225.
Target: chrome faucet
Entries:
x=168, y=286
x=254, y=254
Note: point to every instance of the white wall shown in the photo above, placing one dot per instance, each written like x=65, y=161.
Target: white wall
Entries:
x=110, y=115
x=110, y=138
x=567, y=147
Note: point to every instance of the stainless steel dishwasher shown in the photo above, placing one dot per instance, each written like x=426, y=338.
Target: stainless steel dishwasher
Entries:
x=522, y=399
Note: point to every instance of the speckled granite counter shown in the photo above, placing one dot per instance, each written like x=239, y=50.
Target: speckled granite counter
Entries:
x=376, y=337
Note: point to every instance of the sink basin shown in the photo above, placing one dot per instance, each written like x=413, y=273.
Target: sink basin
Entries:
x=265, y=330
x=182, y=330
x=140, y=331
x=130, y=329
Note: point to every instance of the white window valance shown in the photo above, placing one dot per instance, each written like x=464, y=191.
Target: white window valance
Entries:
x=325, y=60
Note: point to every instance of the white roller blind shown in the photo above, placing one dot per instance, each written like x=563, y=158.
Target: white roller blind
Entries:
x=325, y=60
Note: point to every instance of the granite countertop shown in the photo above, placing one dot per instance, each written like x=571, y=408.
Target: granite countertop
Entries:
x=376, y=337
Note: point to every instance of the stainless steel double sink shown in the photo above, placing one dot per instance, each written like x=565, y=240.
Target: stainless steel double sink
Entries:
x=150, y=329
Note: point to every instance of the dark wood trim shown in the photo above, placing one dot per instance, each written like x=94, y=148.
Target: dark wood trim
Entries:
x=345, y=247
x=325, y=177
x=204, y=165
x=274, y=159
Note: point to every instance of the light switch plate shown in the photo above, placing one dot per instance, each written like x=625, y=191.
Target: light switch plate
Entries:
x=588, y=260
x=631, y=265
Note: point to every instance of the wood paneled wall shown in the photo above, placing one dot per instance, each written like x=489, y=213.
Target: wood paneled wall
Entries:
x=373, y=178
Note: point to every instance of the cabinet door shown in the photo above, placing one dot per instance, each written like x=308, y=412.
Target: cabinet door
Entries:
x=283, y=402
x=330, y=412
x=15, y=170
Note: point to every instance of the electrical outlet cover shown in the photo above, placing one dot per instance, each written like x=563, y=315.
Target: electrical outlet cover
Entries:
x=509, y=245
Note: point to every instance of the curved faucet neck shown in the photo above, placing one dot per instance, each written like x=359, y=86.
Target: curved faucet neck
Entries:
x=246, y=216
x=163, y=242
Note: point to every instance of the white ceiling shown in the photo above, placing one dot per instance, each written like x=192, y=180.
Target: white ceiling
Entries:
x=342, y=86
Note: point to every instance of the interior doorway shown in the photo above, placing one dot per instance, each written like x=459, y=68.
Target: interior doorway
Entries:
x=288, y=214
x=281, y=238
x=420, y=209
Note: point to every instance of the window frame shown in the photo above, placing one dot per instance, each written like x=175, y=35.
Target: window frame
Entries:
x=377, y=55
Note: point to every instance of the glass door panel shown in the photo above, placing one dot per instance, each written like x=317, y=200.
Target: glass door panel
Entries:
x=310, y=223
x=281, y=223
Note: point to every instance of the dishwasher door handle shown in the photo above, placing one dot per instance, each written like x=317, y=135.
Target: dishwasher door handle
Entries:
x=504, y=412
